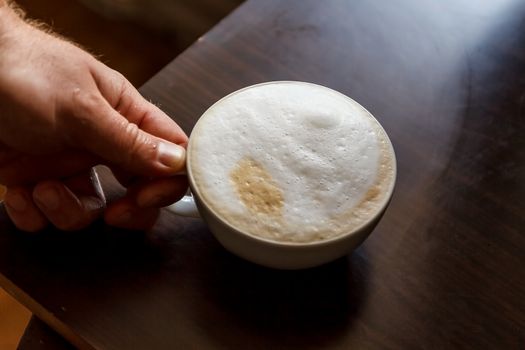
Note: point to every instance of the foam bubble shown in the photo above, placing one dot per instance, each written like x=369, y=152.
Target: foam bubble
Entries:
x=319, y=153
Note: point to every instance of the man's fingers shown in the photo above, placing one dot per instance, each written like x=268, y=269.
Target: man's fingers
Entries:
x=64, y=209
x=138, y=209
x=161, y=192
x=128, y=102
x=100, y=129
x=69, y=205
x=125, y=178
x=29, y=169
x=124, y=213
x=20, y=207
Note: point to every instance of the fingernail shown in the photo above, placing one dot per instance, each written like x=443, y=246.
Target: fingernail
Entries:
x=171, y=155
x=16, y=201
x=48, y=197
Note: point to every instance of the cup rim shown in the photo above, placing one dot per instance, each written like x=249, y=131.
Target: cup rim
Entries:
x=267, y=241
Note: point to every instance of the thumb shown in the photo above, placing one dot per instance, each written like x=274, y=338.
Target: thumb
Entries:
x=100, y=129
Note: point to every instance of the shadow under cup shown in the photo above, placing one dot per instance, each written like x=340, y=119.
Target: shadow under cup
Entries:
x=284, y=254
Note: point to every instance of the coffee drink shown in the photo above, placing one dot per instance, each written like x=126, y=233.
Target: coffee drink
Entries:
x=291, y=162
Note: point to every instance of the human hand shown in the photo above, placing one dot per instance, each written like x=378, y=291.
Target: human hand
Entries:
x=61, y=113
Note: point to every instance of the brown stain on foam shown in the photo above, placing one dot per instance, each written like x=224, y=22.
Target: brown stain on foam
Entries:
x=372, y=194
x=256, y=188
x=369, y=205
x=384, y=171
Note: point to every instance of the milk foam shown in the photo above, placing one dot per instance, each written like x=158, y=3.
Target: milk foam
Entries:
x=291, y=162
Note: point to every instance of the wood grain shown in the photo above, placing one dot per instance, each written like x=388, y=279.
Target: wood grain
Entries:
x=443, y=269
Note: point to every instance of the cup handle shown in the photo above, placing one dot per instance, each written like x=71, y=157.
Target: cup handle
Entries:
x=185, y=207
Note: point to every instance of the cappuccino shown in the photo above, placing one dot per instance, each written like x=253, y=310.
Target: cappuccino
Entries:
x=291, y=162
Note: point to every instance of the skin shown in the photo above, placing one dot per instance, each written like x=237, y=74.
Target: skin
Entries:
x=62, y=112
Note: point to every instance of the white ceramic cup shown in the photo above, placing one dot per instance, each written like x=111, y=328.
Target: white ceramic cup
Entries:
x=270, y=253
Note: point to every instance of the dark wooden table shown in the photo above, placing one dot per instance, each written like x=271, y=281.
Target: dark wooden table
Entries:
x=445, y=268
x=39, y=336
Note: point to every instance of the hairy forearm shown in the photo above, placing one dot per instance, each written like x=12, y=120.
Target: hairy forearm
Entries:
x=10, y=16
x=14, y=27
x=8, y=9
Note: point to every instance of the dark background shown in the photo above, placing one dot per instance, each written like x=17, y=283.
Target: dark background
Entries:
x=135, y=37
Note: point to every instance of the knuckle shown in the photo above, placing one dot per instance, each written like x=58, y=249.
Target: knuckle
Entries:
x=80, y=114
x=123, y=87
x=120, y=78
x=139, y=145
x=63, y=214
x=132, y=135
x=132, y=132
x=84, y=217
x=89, y=103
